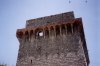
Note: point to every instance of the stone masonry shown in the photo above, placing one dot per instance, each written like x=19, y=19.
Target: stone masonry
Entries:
x=56, y=40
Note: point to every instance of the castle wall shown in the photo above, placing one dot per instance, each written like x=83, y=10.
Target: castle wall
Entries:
x=60, y=46
x=53, y=51
x=64, y=17
x=56, y=40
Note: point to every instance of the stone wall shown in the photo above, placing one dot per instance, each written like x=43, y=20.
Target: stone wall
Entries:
x=53, y=51
x=62, y=42
x=64, y=17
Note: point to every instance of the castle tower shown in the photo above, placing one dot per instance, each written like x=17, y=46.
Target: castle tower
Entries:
x=56, y=40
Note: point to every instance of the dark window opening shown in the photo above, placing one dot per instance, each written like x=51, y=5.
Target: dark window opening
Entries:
x=69, y=30
x=57, y=30
x=31, y=61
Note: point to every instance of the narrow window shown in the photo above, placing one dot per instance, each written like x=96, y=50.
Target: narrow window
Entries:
x=31, y=61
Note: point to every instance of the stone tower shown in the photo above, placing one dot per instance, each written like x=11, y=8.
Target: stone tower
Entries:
x=56, y=40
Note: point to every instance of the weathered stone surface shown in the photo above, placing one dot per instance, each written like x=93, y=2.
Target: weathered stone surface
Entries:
x=60, y=45
x=64, y=17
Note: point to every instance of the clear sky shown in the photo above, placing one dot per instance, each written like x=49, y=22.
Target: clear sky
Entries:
x=14, y=13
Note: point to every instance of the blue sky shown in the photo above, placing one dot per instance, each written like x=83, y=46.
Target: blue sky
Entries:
x=14, y=13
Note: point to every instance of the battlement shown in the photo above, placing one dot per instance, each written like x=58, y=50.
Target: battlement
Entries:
x=57, y=29
x=63, y=17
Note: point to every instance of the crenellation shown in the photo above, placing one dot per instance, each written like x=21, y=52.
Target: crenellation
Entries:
x=60, y=29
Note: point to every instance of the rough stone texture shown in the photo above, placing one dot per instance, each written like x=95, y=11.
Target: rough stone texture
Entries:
x=62, y=43
x=64, y=17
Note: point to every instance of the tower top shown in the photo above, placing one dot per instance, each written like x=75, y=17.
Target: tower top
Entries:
x=62, y=42
x=63, y=17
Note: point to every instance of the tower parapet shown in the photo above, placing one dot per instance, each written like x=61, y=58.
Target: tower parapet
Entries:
x=64, y=17
x=58, y=28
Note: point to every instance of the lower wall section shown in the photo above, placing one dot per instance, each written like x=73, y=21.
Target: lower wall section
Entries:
x=71, y=59
x=65, y=50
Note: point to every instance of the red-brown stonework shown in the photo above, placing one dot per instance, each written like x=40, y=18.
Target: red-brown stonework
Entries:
x=56, y=40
